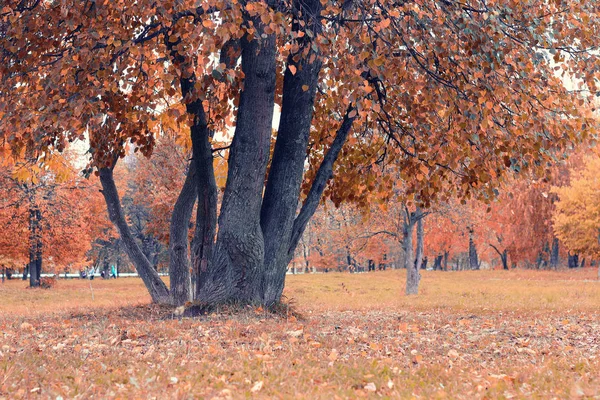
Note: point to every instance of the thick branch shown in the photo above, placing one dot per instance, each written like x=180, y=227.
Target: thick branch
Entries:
x=324, y=173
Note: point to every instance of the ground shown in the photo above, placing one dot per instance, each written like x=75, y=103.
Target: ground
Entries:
x=484, y=334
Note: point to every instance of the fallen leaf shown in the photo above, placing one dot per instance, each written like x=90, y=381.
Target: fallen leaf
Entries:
x=257, y=387
x=370, y=387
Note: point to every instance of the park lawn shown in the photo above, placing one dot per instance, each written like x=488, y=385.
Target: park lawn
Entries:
x=475, y=334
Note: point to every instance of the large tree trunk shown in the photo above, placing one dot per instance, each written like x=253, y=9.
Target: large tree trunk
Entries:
x=473, y=259
x=283, y=186
x=237, y=265
x=156, y=287
x=179, y=265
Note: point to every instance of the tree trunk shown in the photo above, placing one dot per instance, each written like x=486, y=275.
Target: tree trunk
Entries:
x=473, y=259
x=503, y=256
x=179, y=265
x=446, y=254
x=554, y=254
x=573, y=260
x=420, y=235
x=437, y=262
x=156, y=287
x=285, y=176
x=35, y=245
x=412, y=273
x=237, y=265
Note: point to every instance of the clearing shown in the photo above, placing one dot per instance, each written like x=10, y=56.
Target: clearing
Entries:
x=483, y=334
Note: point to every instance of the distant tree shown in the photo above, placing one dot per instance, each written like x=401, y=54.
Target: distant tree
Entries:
x=576, y=221
x=47, y=209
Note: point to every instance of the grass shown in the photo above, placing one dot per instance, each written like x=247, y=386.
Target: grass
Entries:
x=484, y=334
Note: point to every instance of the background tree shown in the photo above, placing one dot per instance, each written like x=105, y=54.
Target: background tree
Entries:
x=576, y=221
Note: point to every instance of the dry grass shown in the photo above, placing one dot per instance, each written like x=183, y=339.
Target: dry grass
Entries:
x=487, y=334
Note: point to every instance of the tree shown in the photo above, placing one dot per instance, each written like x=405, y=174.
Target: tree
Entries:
x=446, y=91
x=576, y=221
x=46, y=204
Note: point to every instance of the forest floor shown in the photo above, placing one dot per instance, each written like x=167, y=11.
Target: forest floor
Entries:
x=480, y=334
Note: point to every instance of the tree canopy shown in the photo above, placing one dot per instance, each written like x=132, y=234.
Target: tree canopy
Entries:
x=449, y=94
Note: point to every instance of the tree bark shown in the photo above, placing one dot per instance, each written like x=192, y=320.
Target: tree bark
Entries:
x=437, y=263
x=156, y=287
x=237, y=265
x=412, y=273
x=473, y=259
x=554, y=254
x=282, y=191
x=420, y=237
x=206, y=213
x=203, y=182
x=573, y=260
x=35, y=244
x=503, y=256
x=179, y=265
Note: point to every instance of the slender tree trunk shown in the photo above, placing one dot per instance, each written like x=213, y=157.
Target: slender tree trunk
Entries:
x=473, y=259
x=157, y=288
x=437, y=262
x=420, y=237
x=35, y=245
x=554, y=254
x=504, y=258
x=412, y=273
x=201, y=185
x=179, y=265
x=446, y=254
x=40, y=246
x=205, y=183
